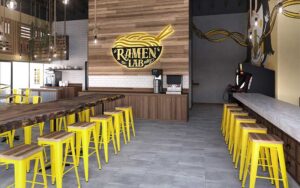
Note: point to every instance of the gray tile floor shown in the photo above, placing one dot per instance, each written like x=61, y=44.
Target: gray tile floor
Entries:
x=165, y=155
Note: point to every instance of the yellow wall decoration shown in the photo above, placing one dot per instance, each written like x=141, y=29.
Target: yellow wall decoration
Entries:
x=140, y=49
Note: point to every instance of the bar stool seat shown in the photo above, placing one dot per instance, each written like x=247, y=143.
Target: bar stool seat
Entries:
x=230, y=127
x=19, y=157
x=119, y=126
x=84, y=131
x=128, y=119
x=268, y=142
x=56, y=141
x=246, y=129
x=105, y=123
x=237, y=129
x=227, y=119
x=225, y=106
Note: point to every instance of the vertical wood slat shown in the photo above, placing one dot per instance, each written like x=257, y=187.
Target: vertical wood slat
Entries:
x=118, y=17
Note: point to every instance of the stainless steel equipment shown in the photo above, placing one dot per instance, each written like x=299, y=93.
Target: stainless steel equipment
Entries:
x=158, y=80
x=174, y=83
x=53, y=78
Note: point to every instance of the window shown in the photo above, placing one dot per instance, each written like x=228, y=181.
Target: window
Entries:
x=20, y=75
x=6, y=27
x=25, y=32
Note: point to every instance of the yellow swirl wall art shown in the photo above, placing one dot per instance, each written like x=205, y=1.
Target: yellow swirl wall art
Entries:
x=140, y=49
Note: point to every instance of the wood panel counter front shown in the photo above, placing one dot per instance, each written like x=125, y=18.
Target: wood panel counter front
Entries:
x=150, y=106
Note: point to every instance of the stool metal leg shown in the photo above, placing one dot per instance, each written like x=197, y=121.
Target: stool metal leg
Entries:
x=254, y=164
x=283, y=166
x=274, y=158
x=132, y=122
x=20, y=174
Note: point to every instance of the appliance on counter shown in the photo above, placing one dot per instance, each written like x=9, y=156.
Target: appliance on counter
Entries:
x=174, y=83
x=158, y=80
x=53, y=78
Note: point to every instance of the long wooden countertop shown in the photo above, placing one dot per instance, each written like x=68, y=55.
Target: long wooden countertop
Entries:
x=281, y=114
x=16, y=116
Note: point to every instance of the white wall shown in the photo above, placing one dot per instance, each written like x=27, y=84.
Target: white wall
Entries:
x=77, y=31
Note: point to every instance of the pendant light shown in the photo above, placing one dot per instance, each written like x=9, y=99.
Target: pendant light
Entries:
x=2, y=25
x=54, y=53
x=95, y=31
x=20, y=45
x=65, y=2
x=11, y=4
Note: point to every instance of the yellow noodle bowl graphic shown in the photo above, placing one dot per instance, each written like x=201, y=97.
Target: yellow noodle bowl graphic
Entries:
x=137, y=50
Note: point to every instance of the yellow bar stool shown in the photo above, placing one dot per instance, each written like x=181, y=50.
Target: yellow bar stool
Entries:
x=9, y=136
x=268, y=142
x=225, y=106
x=61, y=123
x=105, y=124
x=230, y=126
x=228, y=120
x=84, y=115
x=71, y=118
x=237, y=138
x=118, y=125
x=19, y=157
x=84, y=133
x=246, y=129
x=127, y=110
x=57, y=142
x=26, y=96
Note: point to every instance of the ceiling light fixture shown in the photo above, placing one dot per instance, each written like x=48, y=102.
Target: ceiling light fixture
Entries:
x=65, y=2
x=95, y=31
x=11, y=4
x=256, y=21
x=55, y=54
x=280, y=10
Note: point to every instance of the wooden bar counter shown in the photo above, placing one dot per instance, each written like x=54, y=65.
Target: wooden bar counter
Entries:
x=150, y=106
x=281, y=119
x=14, y=116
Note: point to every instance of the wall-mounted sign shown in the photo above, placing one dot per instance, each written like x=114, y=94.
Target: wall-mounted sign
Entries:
x=138, y=50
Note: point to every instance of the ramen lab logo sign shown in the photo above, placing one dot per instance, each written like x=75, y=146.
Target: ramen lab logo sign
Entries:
x=138, y=50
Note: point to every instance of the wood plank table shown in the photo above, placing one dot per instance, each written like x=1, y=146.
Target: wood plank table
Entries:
x=17, y=116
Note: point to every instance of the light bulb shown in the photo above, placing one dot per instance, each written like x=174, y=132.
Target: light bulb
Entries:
x=250, y=36
x=51, y=47
x=11, y=4
x=95, y=39
x=256, y=22
x=35, y=56
x=65, y=51
x=65, y=2
x=4, y=48
x=55, y=55
x=280, y=10
x=49, y=59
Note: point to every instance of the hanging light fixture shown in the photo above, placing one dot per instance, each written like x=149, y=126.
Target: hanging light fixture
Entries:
x=11, y=4
x=65, y=2
x=95, y=31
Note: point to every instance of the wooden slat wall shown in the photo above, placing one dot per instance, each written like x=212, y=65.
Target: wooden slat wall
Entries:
x=118, y=17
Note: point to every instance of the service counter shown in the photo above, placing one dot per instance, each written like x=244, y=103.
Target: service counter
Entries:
x=150, y=106
x=281, y=119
